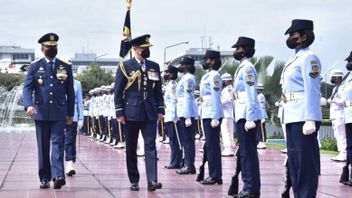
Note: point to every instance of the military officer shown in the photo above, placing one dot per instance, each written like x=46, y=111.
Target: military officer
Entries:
x=227, y=128
x=212, y=114
x=170, y=118
x=51, y=107
x=302, y=114
x=186, y=112
x=347, y=97
x=261, y=130
x=337, y=116
x=247, y=115
x=71, y=130
x=139, y=104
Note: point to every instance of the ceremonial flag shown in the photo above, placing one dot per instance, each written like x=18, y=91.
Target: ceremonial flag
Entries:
x=125, y=45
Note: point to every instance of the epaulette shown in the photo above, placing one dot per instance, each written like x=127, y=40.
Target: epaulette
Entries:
x=35, y=61
x=65, y=61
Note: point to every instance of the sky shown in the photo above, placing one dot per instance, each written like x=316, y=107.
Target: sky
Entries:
x=96, y=25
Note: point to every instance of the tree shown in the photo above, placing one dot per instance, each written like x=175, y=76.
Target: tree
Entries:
x=94, y=77
x=9, y=81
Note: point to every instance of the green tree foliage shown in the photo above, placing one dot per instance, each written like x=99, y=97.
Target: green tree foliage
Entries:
x=94, y=77
x=9, y=81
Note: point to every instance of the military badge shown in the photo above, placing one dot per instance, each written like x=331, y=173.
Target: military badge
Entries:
x=153, y=76
x=315, y=70
x=41, y=70
x=217, y=81
x=61, y=74
x=40, y=81
x=250, y=79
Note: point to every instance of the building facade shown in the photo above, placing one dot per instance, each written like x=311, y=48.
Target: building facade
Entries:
x=12, y=58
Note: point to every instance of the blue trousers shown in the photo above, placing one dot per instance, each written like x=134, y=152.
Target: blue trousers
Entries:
x=176, y=152
x=187, y=140
x=70, y=142
x=46, y=132
x=148, y=129
x=212, y=144
x=248, y=157
x=349, y=142
x=303, y=160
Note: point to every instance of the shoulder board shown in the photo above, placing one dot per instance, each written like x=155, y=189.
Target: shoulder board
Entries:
x=36, y=61
x=65, y=61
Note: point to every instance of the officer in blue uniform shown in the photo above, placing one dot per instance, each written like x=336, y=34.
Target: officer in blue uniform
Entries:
x=71, y=130
x=347, y=97
x=247, y=116
x=170, y=118
x=51, y=106
x=186, y=112
x=212, y=114
x=139, y=104
x=301, y=112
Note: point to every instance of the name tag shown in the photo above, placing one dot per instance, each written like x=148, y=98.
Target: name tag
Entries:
x=153, y=76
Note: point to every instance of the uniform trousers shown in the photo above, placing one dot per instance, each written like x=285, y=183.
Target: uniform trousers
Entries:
x=148, y=130
x=176, y=152
x=187, y=140
x=50, y=132
x=212, y=144
x=70, y=142
x=303, y=160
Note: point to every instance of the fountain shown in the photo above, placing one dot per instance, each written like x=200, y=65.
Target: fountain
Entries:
x=13, y=118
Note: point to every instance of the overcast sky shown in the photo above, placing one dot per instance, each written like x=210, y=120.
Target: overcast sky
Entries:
x=96, y=25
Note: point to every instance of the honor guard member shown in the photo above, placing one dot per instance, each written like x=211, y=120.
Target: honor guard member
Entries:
x=48, y=97
x=170, y=118
x=261, y=130
x=186, y=112
x=227, y=128
x=302, y=113
x=337, y=116
x=86, y=121
x=71, y=130
x=139, y=104
x=212, y=114
x=347, y=96
x=247, y=115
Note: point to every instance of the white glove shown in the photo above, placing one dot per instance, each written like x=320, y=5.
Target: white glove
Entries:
x=329, y=101
x=277, y=104
x=80, y=124
x=214, y=123
x=263, y=121
x=249, y=125
x=309, y=127
x=188, y=122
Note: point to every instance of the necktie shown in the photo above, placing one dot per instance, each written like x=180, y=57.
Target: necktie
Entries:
x=142, y=66
x=51, y=63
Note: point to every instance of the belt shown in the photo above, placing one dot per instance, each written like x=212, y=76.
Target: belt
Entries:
x=239, y=95
x=348, y=103
x=207, y=97
x=292, y=96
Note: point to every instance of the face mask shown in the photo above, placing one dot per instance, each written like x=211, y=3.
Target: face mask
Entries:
x=238, y=55
x=349, y=67
x=166, y=77
x=51, y=52
x=333, y=81
x=292, y=43
x=181, y=68
x=145, y=53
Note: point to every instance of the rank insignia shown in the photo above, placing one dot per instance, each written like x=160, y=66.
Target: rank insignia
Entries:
x=315, y=71
x=61, y=74
x=153, y=76
x=41, y=70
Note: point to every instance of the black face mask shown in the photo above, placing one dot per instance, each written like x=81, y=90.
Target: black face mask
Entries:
x=333, y=81
x=292, y=43
x=181, y=68
x=167, y=77
x=349, y=67
x=204, y=64
x=51, y=52
x=145, y=53
x=238, y=55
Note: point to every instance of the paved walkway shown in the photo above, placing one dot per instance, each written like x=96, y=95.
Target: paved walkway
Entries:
x=102, y=173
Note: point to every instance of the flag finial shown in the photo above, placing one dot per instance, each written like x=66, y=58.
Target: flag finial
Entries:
x=129, y=4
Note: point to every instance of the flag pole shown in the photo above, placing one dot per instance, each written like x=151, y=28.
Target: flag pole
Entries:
x=129, y=5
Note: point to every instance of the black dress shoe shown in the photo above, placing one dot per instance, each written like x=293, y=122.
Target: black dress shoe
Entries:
x=134, y=187
x=244, y=194
x=58, y=182
x=44, y=184
x=348, y=183
x=187, y=170
x=152, y=186
x=211, y=181
x=172, y=167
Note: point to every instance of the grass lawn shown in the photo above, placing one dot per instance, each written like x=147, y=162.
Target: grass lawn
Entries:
x=283, y=145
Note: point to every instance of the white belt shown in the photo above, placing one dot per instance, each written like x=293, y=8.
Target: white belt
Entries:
x=348, y=103
x=205, y=98
x=293, y=96
x=240, y=95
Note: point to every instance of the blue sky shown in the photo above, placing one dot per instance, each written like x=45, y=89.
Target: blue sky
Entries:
x=96, y=25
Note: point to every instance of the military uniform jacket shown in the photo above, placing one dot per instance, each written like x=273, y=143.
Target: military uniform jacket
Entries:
x=262, y=104
x=49, y=90
x=301, y=80
x=227, y=101
x=346, y=92
x=78, y=115
x=245, y=92
x=186, y=103
x=337, y=104
x=210, y=91
x=170, y=101
x=140, y=99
